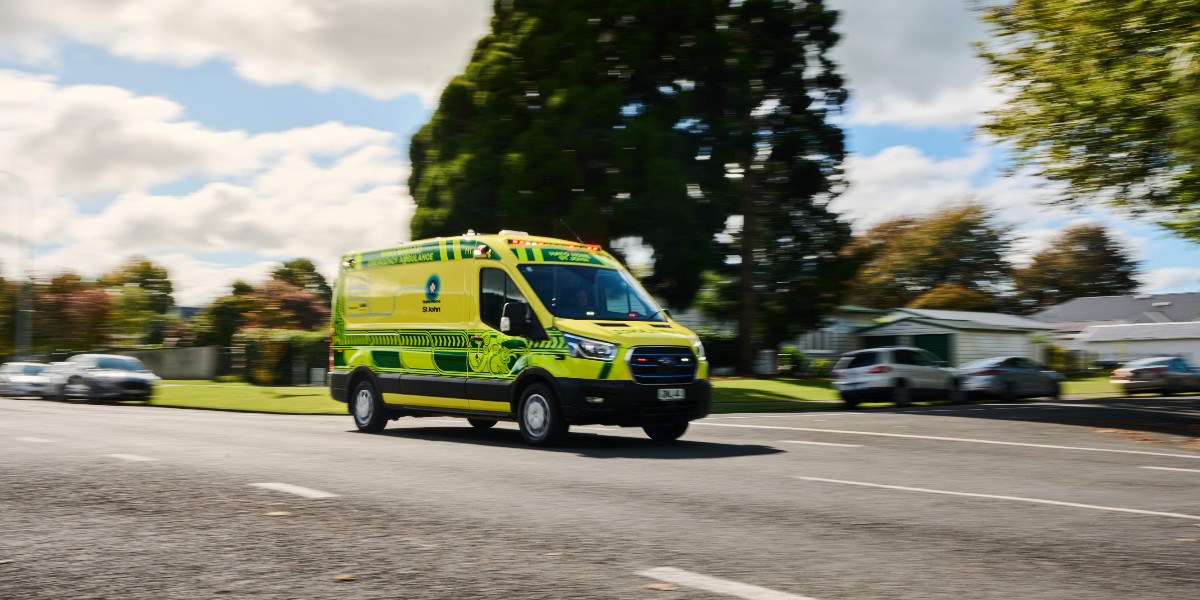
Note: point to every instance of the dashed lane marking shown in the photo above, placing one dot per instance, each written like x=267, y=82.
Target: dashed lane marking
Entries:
x=295, y=489
x=717, y=585
x=35, y=440
x=1172, y=469
x=1012, y=498
x=131, y=457
x=950, y=439
x=819, y=443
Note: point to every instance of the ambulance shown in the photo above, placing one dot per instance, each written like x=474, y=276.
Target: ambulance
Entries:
x=510, y=327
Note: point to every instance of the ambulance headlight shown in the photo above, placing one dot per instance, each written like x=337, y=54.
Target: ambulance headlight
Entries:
x=582, y=347
x=698, y=348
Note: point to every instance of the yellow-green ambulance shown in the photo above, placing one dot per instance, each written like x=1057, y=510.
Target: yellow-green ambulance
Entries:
x=545, y=332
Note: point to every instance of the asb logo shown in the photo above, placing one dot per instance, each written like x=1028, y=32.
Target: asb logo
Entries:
x=433, y=287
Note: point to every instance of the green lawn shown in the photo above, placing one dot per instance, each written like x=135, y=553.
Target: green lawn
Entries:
x=245, y=397
x=731, y=395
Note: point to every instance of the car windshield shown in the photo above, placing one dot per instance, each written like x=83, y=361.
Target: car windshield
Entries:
x=1149, y=362
x=32, y=369
x=592, y=293
x=120, y=364
x=976, y=364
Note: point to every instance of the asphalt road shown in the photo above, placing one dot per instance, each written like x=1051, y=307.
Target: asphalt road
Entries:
x=1089, y=499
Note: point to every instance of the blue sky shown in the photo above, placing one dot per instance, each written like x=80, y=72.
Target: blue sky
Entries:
x=221, y=138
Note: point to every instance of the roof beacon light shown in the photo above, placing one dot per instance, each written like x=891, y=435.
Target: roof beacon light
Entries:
x=483, y=251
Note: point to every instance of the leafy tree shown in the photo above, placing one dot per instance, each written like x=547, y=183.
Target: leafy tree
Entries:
x=218, y=322
x=1105, y=98
x=71, y=314
x=951, y=296
x=153, y=279
x=301, y=273
x=904, y=259
x=1082, y=261
x=616, y=118
x=281, y=305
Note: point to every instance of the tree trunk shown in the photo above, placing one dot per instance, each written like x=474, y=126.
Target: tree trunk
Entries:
x=747, y=313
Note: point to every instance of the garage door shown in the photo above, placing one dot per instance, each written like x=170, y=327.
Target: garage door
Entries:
x=938, y=343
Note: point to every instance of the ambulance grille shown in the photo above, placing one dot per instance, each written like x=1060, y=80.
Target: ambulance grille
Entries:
x=662, y=365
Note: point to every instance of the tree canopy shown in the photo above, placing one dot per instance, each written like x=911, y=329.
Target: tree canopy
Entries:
x=1104, y=97
x=1083, y=260
x=658, y=121
x=962, y=245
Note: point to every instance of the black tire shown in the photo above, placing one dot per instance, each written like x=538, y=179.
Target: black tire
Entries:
x=1168, y=389
x=1010, y=392
x=1055, y=391
x=901, y=393
x=366, y=408
x=482, y=423
x=665, y=433
x=539, y=417
x=850, y=402
x=955, y=393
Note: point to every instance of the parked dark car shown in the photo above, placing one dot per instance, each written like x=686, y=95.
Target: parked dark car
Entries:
x=1165, y=375
x=99, y=377
x=1009, y=378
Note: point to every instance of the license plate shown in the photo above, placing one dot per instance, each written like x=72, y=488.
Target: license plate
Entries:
x=670, y=394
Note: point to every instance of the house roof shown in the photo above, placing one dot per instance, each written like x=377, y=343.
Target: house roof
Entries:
x=985, y=318
x=956, y=324
x=1143, y=308
x=1141, y=331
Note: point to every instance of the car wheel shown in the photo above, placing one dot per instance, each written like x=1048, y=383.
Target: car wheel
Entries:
x=902, y=394
x=539, y=418
x=366, y=408
x=1055, y=391
x=1168, y=389
x=849, y=401
x=665, y=433
x=482, y=423
x=955, y=393
x=1010, y=392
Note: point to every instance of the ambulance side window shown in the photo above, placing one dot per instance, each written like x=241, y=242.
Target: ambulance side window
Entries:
x=495, y=290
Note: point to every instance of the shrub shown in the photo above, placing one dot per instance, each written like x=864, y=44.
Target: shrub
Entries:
x=820, y=367
x=270, y=354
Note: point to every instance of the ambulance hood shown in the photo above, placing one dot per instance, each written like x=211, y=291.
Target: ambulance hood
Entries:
x=629, y=333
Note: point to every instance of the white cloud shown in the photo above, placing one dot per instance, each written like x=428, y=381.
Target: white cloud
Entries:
x=900, y=180
x=380, y=47
x=1171, y=279
x=312, y=192
x=911, y=63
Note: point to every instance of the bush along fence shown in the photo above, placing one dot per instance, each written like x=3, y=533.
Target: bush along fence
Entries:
x=281, y=356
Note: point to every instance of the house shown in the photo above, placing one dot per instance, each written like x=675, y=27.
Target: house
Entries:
x=1121, y=343
x=959, y=336
x=956, y=336
x=1072, y=317
x=839, y=334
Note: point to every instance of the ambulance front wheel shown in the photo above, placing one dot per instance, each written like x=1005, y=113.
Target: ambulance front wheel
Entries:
x=367, y=409
x=539, y=417
x=665, y=433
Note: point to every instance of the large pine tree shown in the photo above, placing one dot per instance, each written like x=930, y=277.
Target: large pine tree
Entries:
x=655, y=120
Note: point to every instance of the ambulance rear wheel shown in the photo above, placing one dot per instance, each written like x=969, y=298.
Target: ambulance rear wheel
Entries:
x=665, y=433
x=539, y=417
x=482, y=423
x=367, y=409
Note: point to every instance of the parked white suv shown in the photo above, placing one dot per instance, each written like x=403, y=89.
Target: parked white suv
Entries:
x=896, y=374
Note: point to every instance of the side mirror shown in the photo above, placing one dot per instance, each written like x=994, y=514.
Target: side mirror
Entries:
x=519, y=326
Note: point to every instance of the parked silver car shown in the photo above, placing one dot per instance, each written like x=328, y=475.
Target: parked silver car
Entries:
x=98, y=377
x=1009, y=378
x=20, y=378
x=1162, y=374
x=897, y=374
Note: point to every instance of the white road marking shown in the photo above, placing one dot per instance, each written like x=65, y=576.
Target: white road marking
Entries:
x=950, y=439
x=717, y=585
x=131, y=457
x=35, y=440
x=1171, y=469
x=1013, y=498
x=819, y=443
x=295, y=489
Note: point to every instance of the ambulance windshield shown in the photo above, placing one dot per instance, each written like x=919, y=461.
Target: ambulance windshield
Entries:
x=591, y=293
